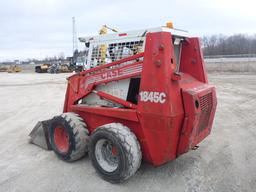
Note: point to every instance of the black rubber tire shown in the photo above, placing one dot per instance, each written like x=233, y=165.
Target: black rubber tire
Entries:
x=77, y=132
x=128, y=149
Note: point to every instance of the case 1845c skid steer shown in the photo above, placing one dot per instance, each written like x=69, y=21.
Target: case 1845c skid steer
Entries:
x=144, y=95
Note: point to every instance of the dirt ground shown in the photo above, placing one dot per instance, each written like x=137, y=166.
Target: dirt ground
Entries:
x=225, y=161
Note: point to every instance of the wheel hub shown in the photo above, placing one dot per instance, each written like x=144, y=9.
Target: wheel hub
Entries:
x=107, y=155
x=61, y=139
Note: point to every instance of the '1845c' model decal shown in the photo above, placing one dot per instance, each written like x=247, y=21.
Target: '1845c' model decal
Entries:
x=154, y=97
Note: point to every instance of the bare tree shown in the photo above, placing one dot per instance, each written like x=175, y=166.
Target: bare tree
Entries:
x=229, y=45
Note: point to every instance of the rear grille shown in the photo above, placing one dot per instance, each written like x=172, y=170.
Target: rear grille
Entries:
x=205, y=103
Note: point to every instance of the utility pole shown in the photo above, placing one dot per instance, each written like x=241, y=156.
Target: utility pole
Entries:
x=75, y=46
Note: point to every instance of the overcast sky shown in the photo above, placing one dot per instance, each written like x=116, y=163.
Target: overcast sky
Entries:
x=39, y=28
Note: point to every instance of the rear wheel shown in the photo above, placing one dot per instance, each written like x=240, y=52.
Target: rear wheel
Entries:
x=115, y=152
x=69, y=136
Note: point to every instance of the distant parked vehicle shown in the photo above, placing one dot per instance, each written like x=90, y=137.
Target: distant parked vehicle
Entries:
x=59, y=68
x=14, y=69
x=42, y=68
x=3, y=69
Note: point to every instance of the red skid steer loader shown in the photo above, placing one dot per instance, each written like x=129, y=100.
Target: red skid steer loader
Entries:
x=144, y=95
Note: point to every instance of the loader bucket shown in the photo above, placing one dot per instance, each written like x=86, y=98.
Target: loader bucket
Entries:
x=40, y=135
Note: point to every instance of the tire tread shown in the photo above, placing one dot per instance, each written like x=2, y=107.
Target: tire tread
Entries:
x=80, y=133
x=130, y=143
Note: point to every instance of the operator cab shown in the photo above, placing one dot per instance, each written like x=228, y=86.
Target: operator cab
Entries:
x=108, y=48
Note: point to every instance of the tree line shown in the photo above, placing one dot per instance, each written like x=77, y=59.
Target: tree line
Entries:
x=229, y=45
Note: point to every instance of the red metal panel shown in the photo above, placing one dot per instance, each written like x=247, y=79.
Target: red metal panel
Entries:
x=115, y=74
x=191, y=61
x=160, y=122
x=200, y=104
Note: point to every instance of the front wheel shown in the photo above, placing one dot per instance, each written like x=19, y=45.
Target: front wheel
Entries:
x=115, y=152
x=68, y=136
